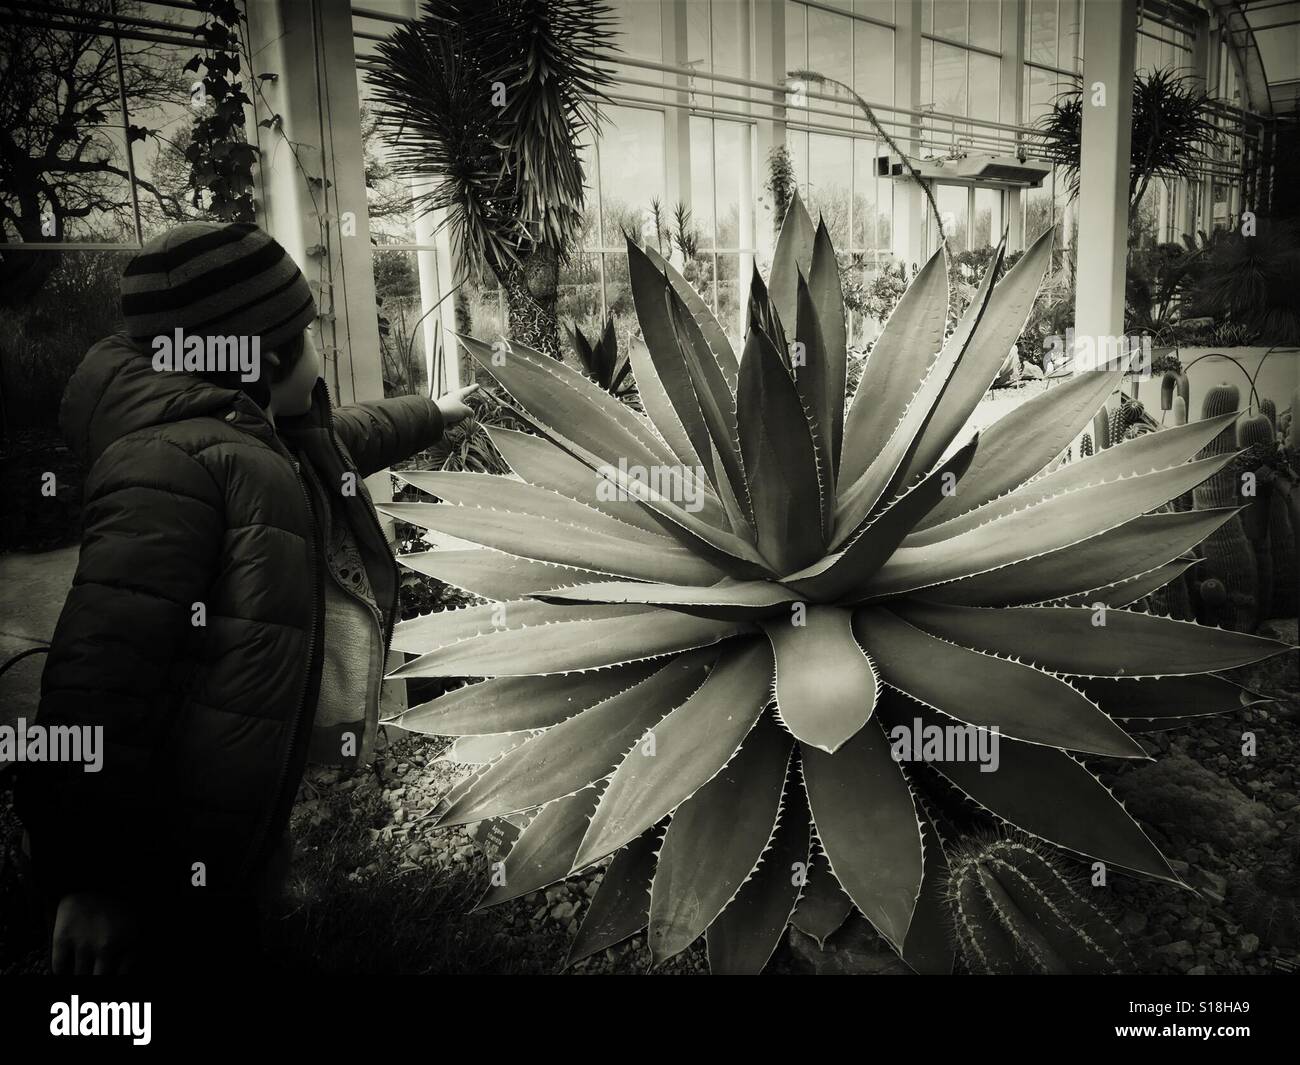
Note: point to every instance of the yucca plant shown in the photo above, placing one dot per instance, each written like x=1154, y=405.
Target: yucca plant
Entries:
x=697, y=678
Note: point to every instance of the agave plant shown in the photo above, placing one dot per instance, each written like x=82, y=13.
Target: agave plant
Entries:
x=697, y=678
x=602, y=361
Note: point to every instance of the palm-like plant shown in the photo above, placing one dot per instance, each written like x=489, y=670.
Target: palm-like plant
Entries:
x=730, y=670
x=486, y=101
x=1173, y=131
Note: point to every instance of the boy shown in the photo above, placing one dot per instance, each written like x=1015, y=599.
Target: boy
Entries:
x=231, y=610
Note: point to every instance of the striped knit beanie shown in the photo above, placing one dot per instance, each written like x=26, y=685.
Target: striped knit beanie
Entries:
x=210, y=279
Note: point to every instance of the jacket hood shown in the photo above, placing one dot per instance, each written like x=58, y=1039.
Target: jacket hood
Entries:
x=116, y=391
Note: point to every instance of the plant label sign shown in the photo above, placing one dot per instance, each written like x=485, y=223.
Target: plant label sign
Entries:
x=497, y=835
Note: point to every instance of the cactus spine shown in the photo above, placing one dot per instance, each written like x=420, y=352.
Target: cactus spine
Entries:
x=1269, y=409
x=1227, y=552
x=1015, y=912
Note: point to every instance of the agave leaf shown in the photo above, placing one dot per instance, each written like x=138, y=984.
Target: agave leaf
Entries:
x=604, y=640
x=419, y=634
x=544, y=850
x=1164, y=697
x=483, y=750
x=517, y=704
x=582, y=749
x=717, y=400
x=780, y=464
x=519, y=497
x=1043, y=791
x=548, y=398
x=866, y=820
x=1139, y=726
x=621, y=907
x=691, y=745
x=540, y=462
x=743, y=937
x=828, y=299
x=543, y=539
x=1145, y=454
x=652, y=296
x=1016, y=700
x=713, y=332
x=764, y=319
x=1125, y=593
x=874, y=488
x=1051, y=525
x=715, y=840
x=823, y=907
x=825, y=682
x=494, y=574
x=552, y=395
x=900, y=359
x=994, y=332
x=1021, y=443
x=813, y=389
x=659, y=407
x=928, y=948
x=850, y=569
x=1135, y=547
x=1088, y=642
x=728, y=599
x=792, y=256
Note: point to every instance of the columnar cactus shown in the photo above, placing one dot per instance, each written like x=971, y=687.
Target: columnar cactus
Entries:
x=1228, y=556
x=1179, y=415
x=1015, y=912
x=710, y=621
x=1269, y=409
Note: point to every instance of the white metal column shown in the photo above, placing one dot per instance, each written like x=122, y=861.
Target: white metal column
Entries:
x=1109, y=39
x=769, y=47
x=910, y=205
x=1012, y=107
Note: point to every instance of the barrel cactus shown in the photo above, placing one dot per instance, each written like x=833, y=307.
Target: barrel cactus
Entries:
x=1015, y=912
x=705, y=624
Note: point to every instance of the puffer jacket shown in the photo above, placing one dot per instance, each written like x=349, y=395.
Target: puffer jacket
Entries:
x=192, y=633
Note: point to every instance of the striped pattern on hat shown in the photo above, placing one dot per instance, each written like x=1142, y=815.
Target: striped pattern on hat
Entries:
x=213, y=279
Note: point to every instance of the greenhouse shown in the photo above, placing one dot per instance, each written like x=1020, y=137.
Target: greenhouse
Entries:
x=650, y=486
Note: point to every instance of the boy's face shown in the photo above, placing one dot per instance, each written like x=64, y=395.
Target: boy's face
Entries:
x=292, y=396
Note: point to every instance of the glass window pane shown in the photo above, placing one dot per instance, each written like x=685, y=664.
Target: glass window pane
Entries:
x=1068, y=34
x=796, y=37
x=987, y=226
x=830, y=50
x=734, y=170
x=618, y=296
x=952, y=209
x=702, y=179
x=830, y=167
x=873, y=63
x=731, y=307
x=865, y=193
x=950, y=19
x=578, y=297
x=731, y=37
x=950, y=79
x=1041, y=46
x=631, y=169
x=985, y=86
x=881, y=9
x=986, y=23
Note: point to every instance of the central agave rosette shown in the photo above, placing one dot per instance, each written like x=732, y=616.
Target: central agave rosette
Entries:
x=703, y=687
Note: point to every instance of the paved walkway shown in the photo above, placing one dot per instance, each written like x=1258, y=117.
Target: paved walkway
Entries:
x=32, y=590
